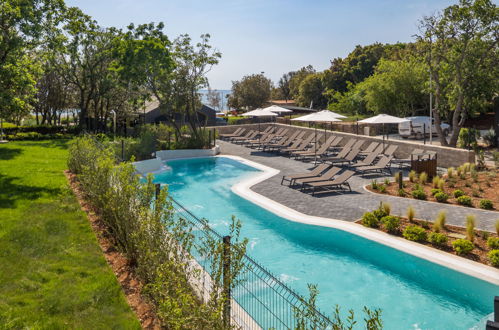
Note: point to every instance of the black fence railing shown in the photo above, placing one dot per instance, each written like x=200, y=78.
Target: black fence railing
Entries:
x=259, y=299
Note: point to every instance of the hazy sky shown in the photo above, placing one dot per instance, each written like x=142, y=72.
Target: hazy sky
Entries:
x=273, y=36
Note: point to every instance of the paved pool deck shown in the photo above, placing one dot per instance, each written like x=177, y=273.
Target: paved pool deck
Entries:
x=345, y=205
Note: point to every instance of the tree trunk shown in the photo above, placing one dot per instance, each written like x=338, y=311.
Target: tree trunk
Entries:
x=457, y=121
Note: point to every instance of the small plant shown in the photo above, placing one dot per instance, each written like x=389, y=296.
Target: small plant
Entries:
x=435, y=191
x=423, y=178
x=462, y=246
x=380, y=213
x=370, y=220
x=391, y=223
x=441, y=197
x=382, y=188
x=486, y=204
x=450, y=172
x=464, y=200
x=485, y=235
x=475, y=193
x=374, y=184
x=458, y=193
x=396, y=177
x=497, y=227
x=459, y=171
x=411, y=213
x=386, y=207
x=387, y=181
x=435, y=181
x=414, y=233
x=466, y=167
x=470, y=227
x=474, y=175
x=440, y=221
x=467, y=184
x=452, y=183
x=412, y=176
x=417, y=186
x=402, y=193
x=437, y=239
x=419, y=194
x=493, y=243
x=441, y=184
x=494, y=258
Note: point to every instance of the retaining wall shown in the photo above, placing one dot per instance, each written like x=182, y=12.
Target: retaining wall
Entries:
x=446, y=156
x=187, y=153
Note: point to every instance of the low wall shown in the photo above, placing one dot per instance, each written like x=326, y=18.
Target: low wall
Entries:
x=187, y=153
x=446, y=156
x=149, y=165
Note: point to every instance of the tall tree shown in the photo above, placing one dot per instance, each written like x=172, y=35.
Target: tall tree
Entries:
x=460, y=46
x=311, y=91
x=296, y=79
x=251, y=92
x=284, y=85
x=214, y=98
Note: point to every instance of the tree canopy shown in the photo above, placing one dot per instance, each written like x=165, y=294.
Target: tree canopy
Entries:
x=251, y=92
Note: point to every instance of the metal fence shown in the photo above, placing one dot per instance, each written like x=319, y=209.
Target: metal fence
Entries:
x=259, y=299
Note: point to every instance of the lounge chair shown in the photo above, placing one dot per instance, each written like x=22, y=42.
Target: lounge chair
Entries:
x=315, y=172
x=383, y=164
x=349, y=158
x=342, y=154
x=348, y=145
x=238, y=132
x=315, y=153
x=284, y=142
x=328, y=175
x=241, y=139
x=367, y=161
x=338, y=182
x=358, y=145
x=370, y=148
x=390, y=150
x=304, y=144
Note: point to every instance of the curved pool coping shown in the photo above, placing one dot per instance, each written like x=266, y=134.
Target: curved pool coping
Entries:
x=243, y=189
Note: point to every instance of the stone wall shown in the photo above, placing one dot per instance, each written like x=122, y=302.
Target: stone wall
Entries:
x=446, y=156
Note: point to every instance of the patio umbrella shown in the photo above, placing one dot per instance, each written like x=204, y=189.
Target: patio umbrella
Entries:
x=277, y=109
x=259, y=113
x=321, y=116
x=383, y=119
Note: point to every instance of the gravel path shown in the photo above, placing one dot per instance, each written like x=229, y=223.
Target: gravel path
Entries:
x=346, y=205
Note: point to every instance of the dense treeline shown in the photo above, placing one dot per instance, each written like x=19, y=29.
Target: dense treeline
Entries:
x=457, y=47
x=57, y=60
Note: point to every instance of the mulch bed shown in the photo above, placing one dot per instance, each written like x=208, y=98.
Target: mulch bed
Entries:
x=486, y=187
x=479, y=253
x=131, y=285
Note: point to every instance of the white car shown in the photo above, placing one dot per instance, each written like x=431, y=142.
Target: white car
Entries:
x=414, y=127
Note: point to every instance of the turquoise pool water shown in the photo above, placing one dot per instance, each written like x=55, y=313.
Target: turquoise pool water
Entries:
x=350, y=271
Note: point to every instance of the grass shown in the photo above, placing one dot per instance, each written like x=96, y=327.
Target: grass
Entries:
x=53, y=274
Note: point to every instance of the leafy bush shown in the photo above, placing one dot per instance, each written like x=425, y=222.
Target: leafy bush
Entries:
x=486, y=204
x=458, y=193
x=437, y=239
x=464, y=200
x=441, y=184
x=435, y=191
x=494, y=258
x=414, y=233
x=441, y=197
x=450, y=172
x=386, y=181
x=462, y=246
x=468, y=138
x=382, y=188
x=440, y=221
x=419, y=194
x=374, y=184
x=423, y=178
x=493, y=242
x=402, y=193
x=490, y=138
x=370, y=220
x=391, y=223
x=435, y=181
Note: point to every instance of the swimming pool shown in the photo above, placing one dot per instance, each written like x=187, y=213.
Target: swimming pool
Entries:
x=350, y=271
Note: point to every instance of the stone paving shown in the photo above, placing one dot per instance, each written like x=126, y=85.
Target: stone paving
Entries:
x=345, y=205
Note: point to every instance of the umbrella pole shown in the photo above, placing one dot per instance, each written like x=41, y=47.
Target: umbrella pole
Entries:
x=315, y=146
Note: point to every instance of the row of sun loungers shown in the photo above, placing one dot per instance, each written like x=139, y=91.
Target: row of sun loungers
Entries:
x=336, y=164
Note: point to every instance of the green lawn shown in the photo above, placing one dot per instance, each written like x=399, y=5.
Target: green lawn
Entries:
x=52, y=272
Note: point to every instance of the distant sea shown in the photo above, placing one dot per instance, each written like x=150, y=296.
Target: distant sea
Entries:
x=223, y=97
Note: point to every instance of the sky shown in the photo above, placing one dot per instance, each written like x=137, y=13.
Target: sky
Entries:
x=272, y=36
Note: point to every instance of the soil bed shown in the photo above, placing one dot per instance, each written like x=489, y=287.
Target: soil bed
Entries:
x=479, y=253
x=485, y=187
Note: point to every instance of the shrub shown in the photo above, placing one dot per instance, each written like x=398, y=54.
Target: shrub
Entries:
x=462, y=246
x=493, y=243
x=494, y=258
x=464, y=200
x=374, y=184
x=468, y=138
x=435, y=191
x=435, y=181
x=441, y=184
x=458, y=193
x=386, y=181
x=379, y=213
x=441, y=197
x=470, y=227
x=440, y=221
x=474, y=175
x=370, y=220
x=414, y=233
x=382, y=188
x=402, y=193
x=466, y=167
x=411, y=213
x=412, y=176
x=497, y=227
x=490, y=138
x=475, y=193
x=437, y=239
x=391, y=223
x=423, y=178
x=419, y=194
x=450, y=172
x=396, y=176
x=486, y=204
x=485, y=235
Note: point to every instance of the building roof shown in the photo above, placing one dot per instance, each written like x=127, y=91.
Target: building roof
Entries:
x=299, y=109
x=283, y=102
